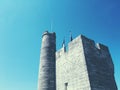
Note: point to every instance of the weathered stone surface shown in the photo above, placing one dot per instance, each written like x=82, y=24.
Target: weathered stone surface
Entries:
x=84, y=66
x=47, y=77
x=99, y=65
x=71, y=67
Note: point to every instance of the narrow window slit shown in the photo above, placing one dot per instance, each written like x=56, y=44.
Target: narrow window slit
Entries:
x=66, y=86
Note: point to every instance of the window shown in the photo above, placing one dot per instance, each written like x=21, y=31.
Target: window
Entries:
x=66, y=85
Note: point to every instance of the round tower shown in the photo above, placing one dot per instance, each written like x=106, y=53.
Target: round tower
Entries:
x=47, y=77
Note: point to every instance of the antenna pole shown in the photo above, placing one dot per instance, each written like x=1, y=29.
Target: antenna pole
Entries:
x=63, y=44
x=71, y=36
x=51, y=25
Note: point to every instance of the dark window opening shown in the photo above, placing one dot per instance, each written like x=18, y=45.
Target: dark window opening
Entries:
x=66, y=85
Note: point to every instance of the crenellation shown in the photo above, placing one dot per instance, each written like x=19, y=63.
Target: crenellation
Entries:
x=48, y=34
x=60, y=52
x=88, y=41
x=102, y=47
x=73, y=43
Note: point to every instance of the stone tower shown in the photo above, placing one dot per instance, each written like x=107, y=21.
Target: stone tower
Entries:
x=47, y=77
x=83, y=66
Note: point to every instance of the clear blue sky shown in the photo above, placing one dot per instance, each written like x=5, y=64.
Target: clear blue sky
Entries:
x=22, y=23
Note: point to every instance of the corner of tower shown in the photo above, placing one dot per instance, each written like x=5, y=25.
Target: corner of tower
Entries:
x=87, y=40
x=99, y=46
x=74, y=43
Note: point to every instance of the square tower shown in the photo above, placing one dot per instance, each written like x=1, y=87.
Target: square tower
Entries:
x=85, y=66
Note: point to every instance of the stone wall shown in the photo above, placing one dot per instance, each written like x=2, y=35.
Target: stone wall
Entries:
x=71, y=70
x=85, y=66
x=99, y=64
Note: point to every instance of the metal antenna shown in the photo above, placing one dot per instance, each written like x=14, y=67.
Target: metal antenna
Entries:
x=51, y=25
x=63, y=44
x=71, y=36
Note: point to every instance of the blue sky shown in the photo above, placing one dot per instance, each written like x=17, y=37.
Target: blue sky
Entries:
x=22, y=23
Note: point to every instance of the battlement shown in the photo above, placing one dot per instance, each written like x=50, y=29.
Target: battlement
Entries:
x=60, y=52
x=92, y=43
x=82, y=64
x=101, y=46
x=66, y=49
x=47, y=33
x=82, y=41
